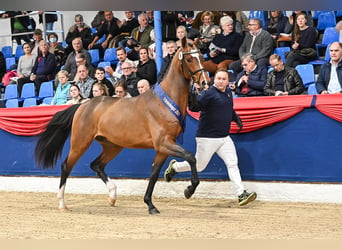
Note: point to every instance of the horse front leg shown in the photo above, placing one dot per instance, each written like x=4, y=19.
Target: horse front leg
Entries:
x=190, y=190
x=156, y=167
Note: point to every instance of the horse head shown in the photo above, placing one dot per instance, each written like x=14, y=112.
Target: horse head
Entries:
x=192, y=60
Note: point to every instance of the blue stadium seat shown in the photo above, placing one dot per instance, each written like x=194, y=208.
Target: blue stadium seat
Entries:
x=47, y=100
x=322, y=61
x=281, y=52
x=30, y=102
x=11, y=92
x=110, y=55
x=10, y=61
x=95, y=56
x=7, y=51
x=27, y=91
x=330, y=35
x=12, y=103
x=306, y=72
x=325, y=20
x=258, y=14
x=19, y=52
x=45, y=90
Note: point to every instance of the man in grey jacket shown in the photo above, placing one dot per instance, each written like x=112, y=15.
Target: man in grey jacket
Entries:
x=259, y=42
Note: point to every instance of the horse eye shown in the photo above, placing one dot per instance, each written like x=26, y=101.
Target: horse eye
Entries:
x=189, y=59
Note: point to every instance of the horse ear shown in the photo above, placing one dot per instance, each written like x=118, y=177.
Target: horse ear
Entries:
x=184, y=41
x=196, y=41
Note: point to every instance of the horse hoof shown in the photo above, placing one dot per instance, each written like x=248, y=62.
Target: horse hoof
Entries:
x=154, y=211
x=63, y=209
x=187, y=193
x=111, y=201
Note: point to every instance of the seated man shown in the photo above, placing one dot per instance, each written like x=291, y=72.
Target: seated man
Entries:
x=283, y=80
x=259, y=42
x=252, y=79
x=130, y=77
x=330, y=75
x=85, y=82
x=143, y=85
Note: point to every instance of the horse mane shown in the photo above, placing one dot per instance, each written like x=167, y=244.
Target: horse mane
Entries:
x=167, y=67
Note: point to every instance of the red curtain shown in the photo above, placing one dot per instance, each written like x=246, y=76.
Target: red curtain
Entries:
x=255, y=112
x=27, y=121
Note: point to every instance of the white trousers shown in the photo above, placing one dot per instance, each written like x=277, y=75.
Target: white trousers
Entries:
x=225, y=148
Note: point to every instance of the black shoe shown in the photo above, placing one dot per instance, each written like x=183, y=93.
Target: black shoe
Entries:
x=246, y=198
x=170, y=172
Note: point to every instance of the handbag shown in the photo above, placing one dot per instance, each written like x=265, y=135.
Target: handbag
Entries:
x=306, y=52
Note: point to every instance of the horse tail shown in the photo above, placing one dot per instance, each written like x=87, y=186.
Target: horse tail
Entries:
x=50, y=143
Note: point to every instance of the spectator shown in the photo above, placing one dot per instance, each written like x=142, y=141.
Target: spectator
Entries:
x=56, y=49
x=110, y=28
x=140, y=37
x=126, y=27
x=282, y=80
x=224, y=48
x=80, y=59
x=37, y=37
x=258, y=42
x=252, y=79
x=207, y=31
x=98, y=20
x=62, y=90
x=100, y=77
x=143, y=85
x=122, y=57
x=19, y=25
x=70, y=63
x=25, y=65
x=180, y=33
x=276, y=24
x=79, y=29
x=152, y=47
x=45, y=66
x=146, y=68
x=303, y=49
x=85, y=81
x=99, y=89
x=75, y=94
x=240, y=21
x=171, y=47
x=329, y=79
x=170, y=23
x=121, y=90
x=130, y=77
x=150, y=17
x=289, y=28
x=212, y=136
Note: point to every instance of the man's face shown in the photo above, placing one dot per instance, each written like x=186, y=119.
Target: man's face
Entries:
x=126, y=69
x=77, y=45
x=83, y=72
x=142, y=86
x=252, y=25
x=121, y=55
x=108, y=15
x=171, y=48
x=335, y=52
x=221, y=80
x=248, y=66
x=143, y=21
x=277, y=65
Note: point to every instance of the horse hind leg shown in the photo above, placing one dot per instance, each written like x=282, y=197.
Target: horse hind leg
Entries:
x=108, y=153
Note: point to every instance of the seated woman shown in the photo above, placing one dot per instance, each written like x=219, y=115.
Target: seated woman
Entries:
x=224, y=48
x=121, y=90
x=283, y=80
x=76, y=96
x=207, y=31
x=99, y=89
x=25, y=65
x=62, y=90
x=146, y=68
x=56, y=49
x=275, y=25
x=303, y=49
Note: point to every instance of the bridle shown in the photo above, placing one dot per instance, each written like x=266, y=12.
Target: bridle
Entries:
x=192, y=73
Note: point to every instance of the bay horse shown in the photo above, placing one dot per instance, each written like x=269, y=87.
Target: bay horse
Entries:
x=155, y=121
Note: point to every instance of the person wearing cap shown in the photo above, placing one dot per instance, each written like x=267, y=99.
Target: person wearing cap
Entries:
x=37, y=36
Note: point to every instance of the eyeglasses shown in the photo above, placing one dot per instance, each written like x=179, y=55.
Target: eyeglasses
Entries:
x=251, y=24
